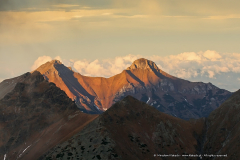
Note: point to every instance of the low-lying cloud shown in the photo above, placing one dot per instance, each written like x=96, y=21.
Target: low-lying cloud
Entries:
x=41, y=60
x=218, y=68
x=104, y=68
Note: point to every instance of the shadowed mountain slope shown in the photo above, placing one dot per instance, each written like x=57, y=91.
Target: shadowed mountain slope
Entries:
x=8, y=85
x=223, y=129
x=35, y=116
x=142, y=80
x=131, y=129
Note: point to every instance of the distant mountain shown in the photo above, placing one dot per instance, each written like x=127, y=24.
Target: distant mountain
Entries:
x=142, y=80
x=131, y=129
x=35, y=116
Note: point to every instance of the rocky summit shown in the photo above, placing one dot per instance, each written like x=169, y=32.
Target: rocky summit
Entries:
x=143, y=63
x=142, y=80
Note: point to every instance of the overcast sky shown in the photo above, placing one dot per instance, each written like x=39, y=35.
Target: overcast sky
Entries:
x=195, y=40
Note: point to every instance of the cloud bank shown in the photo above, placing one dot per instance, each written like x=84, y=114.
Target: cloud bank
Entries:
x=184, y=65
x=221, y=69
x=41, y=60
x=104, y=68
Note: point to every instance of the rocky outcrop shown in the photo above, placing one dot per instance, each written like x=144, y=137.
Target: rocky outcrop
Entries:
x=143, y=63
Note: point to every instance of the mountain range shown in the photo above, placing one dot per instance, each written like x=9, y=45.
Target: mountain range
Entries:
x=40, y=120
x=35, y=116
x=142, y=80
x=131, y=129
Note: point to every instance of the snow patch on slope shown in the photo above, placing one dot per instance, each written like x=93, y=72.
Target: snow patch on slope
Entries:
x=23, y=151
x=148, y=100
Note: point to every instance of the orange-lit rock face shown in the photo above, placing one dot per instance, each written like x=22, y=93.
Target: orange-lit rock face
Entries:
x=100, y=91
x=142, y=80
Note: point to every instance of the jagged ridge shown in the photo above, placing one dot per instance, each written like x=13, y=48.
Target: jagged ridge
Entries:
x=142, y=80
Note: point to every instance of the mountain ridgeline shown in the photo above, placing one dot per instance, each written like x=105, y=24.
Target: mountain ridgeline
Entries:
x=131, y=129
x=39, y=121
x=35, y=116
x=142, y=80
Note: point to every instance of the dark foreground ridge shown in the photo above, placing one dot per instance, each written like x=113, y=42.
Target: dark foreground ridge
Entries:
x=35, y=116
x=39, y=121
x=131, y=129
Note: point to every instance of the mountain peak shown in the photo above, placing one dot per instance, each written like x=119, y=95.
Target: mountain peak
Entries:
x=47, y=66
x=55, y=61
x=143, y=63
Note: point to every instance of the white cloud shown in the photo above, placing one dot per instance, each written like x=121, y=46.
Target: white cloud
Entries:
x=185, y=65
x=41, y=60
x=80, y=66
x=104, y=68
x=211, y=74
x=185, y=74
x=187, y=56
x=58, y=58
x=212, y=55
x=190, y=64
x=201, y=66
